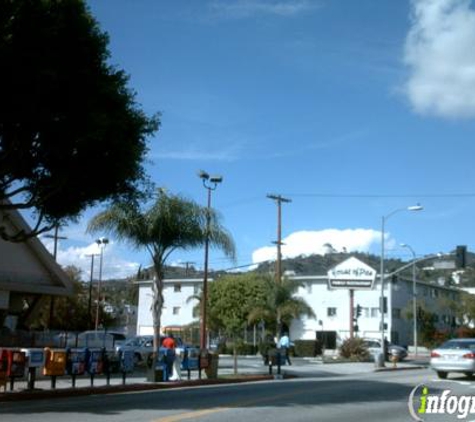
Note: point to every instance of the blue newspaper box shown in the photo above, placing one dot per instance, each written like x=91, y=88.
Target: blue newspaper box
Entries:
x=76, y=361
x=35, y=358
x=126, y=360
x=191, y=359
x=95, y=361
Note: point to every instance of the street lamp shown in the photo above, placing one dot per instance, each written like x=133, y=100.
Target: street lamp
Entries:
x=381, y=271
x=210, y=183
x=102, y=243
x=414, y=296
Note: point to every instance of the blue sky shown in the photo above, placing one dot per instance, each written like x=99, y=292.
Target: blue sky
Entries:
x=352, y=109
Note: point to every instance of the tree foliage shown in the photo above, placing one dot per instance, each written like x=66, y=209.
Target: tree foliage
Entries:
x=171, y=222
x=281, y=304
x=71, y=132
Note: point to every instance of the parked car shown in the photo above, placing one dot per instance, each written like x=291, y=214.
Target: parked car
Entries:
x=143, y=347
x=374, y=347
x=106, y=339
x=456, y=355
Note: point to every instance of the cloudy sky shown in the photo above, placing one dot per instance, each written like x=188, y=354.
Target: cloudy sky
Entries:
x=351, y=109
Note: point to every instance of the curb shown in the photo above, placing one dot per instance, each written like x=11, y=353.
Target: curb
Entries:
x=401, y=368
x=114, y=389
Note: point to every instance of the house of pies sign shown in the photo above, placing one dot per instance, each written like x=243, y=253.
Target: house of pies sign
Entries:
x=351, y=274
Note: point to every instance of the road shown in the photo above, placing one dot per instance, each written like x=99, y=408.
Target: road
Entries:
x=328, y=394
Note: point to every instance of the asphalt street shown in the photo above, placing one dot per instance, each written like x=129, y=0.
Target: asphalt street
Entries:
x=331, y=392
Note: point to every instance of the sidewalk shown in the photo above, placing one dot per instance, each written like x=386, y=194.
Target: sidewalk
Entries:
x=256, y=371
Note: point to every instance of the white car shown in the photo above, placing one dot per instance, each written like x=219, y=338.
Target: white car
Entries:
x=456, y=355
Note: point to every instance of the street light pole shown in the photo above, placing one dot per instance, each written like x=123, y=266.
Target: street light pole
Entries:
x=102, y=242
x=414, y=296
x=381, y=273
x=210, y=183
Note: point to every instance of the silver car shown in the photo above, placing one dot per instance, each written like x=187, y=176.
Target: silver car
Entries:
x=457, y=355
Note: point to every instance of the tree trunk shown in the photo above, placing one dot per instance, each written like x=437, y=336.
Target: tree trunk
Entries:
x=157, y=305
x=235, y=363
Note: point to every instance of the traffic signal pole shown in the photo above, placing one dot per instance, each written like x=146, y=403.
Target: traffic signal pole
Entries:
x=352, y=316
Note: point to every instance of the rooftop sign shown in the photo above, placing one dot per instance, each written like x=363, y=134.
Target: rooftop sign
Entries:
x=351, y=274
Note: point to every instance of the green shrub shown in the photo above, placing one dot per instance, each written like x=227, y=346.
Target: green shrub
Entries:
x=354, y=348
x=307, y=348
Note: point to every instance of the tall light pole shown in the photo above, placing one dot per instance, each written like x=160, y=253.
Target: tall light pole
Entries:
x=414, y=296
x=89, y=302
x=210, y=183
x=102, y=243
x=381, y=272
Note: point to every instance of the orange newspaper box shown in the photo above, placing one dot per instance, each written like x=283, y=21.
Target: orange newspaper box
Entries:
x=55, y=362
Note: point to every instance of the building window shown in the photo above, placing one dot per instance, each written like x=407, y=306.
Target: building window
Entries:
x=396, y=313
x=177, y=287
x=331, y=312
x=309, y=288
x=176, y=310
x=374, y=312
x=197, y=289
x=366, y=312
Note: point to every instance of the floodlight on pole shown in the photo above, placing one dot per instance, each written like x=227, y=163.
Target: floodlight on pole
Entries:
x=102, y=243
x=210, y=183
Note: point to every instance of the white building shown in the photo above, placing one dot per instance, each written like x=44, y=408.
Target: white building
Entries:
x=331, y=306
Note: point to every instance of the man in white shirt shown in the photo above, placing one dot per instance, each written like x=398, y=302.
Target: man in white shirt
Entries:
x=284, y=343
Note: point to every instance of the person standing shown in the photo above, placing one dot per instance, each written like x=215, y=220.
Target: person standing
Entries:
x=170, y=344
x=284, y=343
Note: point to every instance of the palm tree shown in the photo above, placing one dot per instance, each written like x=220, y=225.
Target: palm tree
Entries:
x=171, y=222
x=281, y=306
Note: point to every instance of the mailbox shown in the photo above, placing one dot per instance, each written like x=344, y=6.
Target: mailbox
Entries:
x=126, y=360
x=191, y=359
x=55, y=362
x=76, y=361
x=35, y=358
x=95, y=361
x=16, y=363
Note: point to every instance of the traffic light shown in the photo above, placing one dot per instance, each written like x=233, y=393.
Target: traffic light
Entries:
x=358, y=311
x=461, y=256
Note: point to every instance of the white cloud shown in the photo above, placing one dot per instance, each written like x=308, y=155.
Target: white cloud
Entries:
x=247, y=8
x=320, y=242
x=440, y=54
x=113, y=266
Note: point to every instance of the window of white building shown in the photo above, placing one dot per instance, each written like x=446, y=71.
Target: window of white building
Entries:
x=177, y=287
x=196, y=289
x=176, y=310
x=374, y=312
x=331, y=312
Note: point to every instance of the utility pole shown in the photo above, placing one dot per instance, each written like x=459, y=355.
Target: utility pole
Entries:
x=55, y=238
x=279, y=200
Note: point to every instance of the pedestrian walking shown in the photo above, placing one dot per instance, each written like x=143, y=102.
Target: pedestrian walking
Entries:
x=284, y=344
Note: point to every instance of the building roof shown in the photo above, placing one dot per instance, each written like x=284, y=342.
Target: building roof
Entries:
x=27, y=266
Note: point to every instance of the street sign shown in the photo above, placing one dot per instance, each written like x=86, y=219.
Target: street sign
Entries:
x=351, y=274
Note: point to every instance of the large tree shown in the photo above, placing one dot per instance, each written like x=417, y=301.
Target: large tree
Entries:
x=71, y=132
x=170, y=223
x=231, y=299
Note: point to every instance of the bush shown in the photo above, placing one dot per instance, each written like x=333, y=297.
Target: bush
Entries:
x=307, y=348
x=354, y=348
